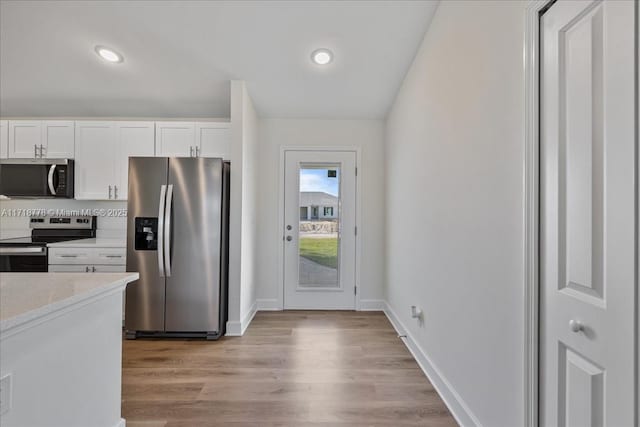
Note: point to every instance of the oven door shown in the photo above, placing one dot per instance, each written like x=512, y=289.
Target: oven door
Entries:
x=23, y=259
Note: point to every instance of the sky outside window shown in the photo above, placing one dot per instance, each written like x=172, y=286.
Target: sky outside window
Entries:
x=318, y=180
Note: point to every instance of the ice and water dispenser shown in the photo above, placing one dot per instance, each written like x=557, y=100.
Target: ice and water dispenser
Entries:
x=146, y=234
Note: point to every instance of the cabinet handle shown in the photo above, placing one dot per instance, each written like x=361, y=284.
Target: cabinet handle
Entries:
x=41, y=151
x=86, y=269
x=190, y=151
x=109, y=192
x=115, y=191
x=68, y=256
x=113, y=256
x=93, y=268
x=35, y=151
x=197, y=151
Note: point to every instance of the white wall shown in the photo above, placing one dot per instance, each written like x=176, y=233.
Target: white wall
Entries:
x=366, y=134
x=242, y=225
x=454, y=159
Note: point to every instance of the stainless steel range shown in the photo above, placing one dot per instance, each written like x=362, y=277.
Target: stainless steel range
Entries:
x=29, y=254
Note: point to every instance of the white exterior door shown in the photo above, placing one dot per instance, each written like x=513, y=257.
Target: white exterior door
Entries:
x=587, y=212
x=319, y=253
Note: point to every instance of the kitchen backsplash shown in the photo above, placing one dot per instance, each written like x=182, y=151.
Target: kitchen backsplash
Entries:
x=15, y=214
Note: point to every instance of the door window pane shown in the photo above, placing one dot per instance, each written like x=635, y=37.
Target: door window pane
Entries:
x=319, y=226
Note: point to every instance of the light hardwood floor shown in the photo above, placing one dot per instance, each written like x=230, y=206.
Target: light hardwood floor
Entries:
x=292, y=368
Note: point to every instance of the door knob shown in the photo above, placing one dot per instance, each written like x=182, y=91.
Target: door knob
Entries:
x=289, y=238
x=288, y=227
x=575, y=325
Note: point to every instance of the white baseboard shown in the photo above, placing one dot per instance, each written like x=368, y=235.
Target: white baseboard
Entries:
x=237, y=329
x=121, y=423
x=372, y=305
x=268, y=304
x=451, y=398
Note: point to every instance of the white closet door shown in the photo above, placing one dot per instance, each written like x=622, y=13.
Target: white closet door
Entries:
x=588, y=229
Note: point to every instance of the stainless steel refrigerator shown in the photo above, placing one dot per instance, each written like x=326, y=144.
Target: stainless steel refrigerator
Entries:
x=177, y=238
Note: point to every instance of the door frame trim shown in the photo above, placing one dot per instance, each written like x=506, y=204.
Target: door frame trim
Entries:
x=531, y=209
x=281, y=183
x=531, y=205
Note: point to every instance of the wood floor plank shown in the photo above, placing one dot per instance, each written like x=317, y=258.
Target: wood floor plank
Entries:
x=293, y=368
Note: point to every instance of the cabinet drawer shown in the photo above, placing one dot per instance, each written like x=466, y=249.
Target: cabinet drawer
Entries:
x=88, y=256
x=78, y=268
x=70, y=256
x=110, y=256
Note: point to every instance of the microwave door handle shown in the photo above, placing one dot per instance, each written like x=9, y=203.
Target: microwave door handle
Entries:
x=167, y=231
x=163, y=193
x=52, y=188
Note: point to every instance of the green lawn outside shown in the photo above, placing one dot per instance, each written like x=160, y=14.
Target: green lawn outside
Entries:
x=323, y=251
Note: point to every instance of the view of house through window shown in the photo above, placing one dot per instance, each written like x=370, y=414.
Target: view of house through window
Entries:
x=319, y=226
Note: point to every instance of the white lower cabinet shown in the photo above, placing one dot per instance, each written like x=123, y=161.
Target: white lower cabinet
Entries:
x=89, y=260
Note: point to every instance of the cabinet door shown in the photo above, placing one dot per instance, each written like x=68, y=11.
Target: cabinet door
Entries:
x=25, y=138
x=214, y=139
x=58, y=139
x=175, y=139
x=135, y=139
x=95, y=160
x=4, y=139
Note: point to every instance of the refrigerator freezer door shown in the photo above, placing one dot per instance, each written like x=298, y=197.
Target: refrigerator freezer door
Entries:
x=193, y=289
x=145, y=298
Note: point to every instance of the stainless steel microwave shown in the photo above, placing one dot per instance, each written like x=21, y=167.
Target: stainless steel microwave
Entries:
x=21, y=178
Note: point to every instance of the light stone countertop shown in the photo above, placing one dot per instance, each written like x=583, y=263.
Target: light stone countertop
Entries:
x=99, y=242
x=26, y=297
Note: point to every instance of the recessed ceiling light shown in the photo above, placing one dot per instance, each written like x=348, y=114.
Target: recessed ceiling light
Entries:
x=322, y=56
x=108, y=55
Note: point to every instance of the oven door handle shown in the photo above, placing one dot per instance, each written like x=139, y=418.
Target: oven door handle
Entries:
x=52, y=189
x=29, y=250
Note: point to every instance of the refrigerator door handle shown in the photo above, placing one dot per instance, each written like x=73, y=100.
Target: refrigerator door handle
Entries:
x=167, y=231
x=163, y=193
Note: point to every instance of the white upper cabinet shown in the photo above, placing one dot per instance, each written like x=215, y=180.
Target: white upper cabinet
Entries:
x=25, y=139
x=193, y=139
x=214, y=139
x=134, y=139
x=4, y=139
x=175, y=139
x=95, y=171
x=36, y=139
x=58, y=139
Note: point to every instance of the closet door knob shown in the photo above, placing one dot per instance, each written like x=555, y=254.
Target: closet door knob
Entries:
x=576, y=326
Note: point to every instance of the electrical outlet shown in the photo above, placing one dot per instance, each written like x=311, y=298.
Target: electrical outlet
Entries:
x=5, y=394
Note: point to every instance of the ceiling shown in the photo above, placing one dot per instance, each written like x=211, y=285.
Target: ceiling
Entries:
x=180, y=55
